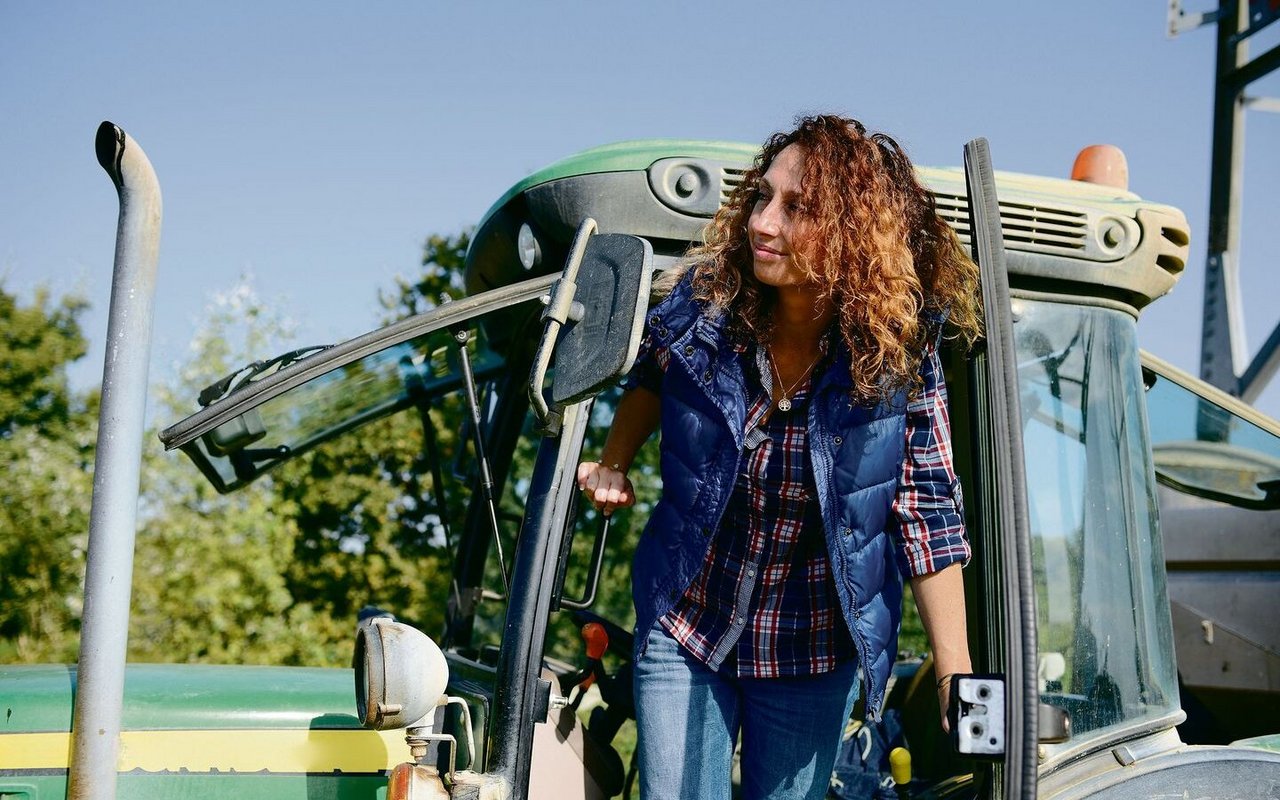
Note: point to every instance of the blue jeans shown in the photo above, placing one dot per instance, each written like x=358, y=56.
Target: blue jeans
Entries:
x=688, y=717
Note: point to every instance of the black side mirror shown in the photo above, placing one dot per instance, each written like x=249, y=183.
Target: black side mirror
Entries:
x=594, y=318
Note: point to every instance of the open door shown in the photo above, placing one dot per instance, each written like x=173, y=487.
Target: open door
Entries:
x=1002, y=536
x=592, y=326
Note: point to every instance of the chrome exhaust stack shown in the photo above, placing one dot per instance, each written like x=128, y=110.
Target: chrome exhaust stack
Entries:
x=104, y=632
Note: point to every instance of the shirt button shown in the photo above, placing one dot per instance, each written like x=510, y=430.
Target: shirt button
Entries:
x=741, y=619
x=751, y=573
x=706, y=531
x=706, y=376
x=838, y=440
x=655, y=320
x=688, y=349
x=846, y=531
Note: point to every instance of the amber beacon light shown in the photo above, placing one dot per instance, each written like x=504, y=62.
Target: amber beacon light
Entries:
x=1103, y=164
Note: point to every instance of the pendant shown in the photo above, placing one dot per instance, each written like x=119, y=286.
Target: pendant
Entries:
x=784, y=404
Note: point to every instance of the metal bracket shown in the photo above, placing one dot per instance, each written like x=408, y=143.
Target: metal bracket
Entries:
x=1054, y=724
x=420, y=739
x=542, y=701
x=977, y=714
x=560, y=309
x=565, y=308
x=1181, y=22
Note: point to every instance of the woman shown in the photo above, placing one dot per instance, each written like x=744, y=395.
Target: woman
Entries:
x=806, y=465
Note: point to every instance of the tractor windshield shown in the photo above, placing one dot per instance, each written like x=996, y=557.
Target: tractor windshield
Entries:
x=1105, y=639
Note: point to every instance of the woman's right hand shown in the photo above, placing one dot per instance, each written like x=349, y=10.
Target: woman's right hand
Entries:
x=606, y=487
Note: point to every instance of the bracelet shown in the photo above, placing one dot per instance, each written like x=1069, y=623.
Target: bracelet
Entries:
x=614, y=467
x=945, y=678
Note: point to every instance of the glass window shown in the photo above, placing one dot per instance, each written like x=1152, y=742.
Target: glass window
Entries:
x=1106, y=648
x=375, y=460
x=1210, y=445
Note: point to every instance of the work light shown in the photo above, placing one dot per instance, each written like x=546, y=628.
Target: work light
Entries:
x=400, y=674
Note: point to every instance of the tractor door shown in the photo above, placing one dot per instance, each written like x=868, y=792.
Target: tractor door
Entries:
x=1005, y=609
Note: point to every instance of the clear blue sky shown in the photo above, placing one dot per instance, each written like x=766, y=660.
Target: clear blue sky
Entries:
x=315, y=145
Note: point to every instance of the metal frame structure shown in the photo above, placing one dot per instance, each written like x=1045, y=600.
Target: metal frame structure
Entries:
x=1224, y=361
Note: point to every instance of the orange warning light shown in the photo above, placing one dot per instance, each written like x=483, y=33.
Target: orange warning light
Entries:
x=1103, y=164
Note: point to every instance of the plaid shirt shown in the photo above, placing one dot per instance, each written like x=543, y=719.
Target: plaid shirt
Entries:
x=765, y=602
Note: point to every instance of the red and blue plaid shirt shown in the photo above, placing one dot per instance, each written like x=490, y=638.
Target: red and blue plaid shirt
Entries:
x=764, y=603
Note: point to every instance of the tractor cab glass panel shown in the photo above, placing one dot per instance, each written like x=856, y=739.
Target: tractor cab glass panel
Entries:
x=406, y=406
x=1204, y=447
x=1105, y=639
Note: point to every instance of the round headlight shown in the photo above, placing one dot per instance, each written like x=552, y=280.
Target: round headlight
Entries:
x=400, y=674
x=528, y=248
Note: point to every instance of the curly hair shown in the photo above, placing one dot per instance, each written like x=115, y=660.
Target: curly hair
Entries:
x=892, y=269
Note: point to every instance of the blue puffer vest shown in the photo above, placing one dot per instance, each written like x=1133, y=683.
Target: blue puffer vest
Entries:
x=856, y=452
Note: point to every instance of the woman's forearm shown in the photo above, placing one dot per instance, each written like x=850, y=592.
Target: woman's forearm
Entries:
x=634, y=420
x=940, y=600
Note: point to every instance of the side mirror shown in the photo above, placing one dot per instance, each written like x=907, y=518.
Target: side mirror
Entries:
x=595, y=317
x=400, y=674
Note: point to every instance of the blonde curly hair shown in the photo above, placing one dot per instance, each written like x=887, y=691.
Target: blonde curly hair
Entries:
x=892, y=269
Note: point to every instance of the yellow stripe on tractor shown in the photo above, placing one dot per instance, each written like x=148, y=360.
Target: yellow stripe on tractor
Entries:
x=283, y=751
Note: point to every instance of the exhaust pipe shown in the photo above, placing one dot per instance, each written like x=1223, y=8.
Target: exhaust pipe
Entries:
x=108, y=583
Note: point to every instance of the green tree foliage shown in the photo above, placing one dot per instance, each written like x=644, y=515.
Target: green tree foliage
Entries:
x=366, y=530
x=441, y=280
x=209, y=578
x=210, y=570
x=363, y=506
x=276, y=571
x=39, y=342
x=47, y=438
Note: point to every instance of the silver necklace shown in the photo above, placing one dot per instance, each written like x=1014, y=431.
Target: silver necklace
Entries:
x=784, y=402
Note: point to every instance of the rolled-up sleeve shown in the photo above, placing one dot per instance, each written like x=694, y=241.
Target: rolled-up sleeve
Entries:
x=929, y=506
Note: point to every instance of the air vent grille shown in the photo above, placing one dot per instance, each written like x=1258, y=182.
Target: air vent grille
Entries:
x=730, y=180
x=1052, y=229
x=1025, y=226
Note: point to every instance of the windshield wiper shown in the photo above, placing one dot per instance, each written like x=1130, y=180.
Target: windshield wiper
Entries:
x=253, y=371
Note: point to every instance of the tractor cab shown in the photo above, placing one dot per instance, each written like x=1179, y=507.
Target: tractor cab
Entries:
x=515, y=682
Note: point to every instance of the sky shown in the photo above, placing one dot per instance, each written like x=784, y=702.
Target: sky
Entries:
x=312, y=147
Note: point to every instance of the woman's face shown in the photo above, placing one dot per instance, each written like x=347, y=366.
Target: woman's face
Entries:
x=778, y=224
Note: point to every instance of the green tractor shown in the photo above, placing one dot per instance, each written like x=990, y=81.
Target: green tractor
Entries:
x=508, y=388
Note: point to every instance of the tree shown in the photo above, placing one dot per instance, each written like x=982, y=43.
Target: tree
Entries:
x=47, y=435
x=38, y=344
x=276, y=571
x=363, y=504
x=444, y=260
x=210, y=570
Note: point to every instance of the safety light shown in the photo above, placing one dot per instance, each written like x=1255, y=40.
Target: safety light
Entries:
x=1103, y=164
x=400, y=674
x=415, y=782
